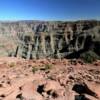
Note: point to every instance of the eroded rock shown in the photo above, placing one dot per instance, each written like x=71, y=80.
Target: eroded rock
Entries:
x=36, y=39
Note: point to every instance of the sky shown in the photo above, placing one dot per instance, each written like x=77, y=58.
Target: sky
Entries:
x=49, y=9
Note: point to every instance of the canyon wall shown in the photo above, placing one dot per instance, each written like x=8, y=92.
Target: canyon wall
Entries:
x=49, y=39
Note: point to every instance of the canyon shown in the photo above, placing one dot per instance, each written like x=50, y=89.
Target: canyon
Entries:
x=49, y=39
x=42, y=60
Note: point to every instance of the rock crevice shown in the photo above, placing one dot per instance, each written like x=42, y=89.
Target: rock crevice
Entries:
x=37, y=39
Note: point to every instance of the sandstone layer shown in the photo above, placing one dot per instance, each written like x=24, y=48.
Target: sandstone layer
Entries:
x=39, y=39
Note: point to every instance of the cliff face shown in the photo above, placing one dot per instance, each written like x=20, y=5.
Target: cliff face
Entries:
x=37, y=39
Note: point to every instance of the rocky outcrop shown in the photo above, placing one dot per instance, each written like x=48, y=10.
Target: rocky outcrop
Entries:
x=38, y=39
x=64, y=79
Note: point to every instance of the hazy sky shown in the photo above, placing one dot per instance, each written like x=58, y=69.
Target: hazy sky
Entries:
x=49, y=9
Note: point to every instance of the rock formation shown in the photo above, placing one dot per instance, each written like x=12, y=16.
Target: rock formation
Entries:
x=39, y=39
x=22, y=79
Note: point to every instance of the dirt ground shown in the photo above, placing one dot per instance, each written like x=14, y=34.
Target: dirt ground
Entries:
x=48, y=79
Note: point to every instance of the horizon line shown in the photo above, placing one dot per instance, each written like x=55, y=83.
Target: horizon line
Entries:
x=16, y=20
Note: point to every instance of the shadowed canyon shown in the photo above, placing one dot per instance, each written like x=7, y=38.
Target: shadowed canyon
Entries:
x=50, y=60
x=38, y=39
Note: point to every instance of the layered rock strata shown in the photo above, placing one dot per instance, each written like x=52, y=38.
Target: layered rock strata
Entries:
x=39, y=39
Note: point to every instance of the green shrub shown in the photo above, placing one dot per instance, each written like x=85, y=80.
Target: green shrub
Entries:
x=12, y=64
x=89, y=56
x=34, y=69
x=46, y=67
